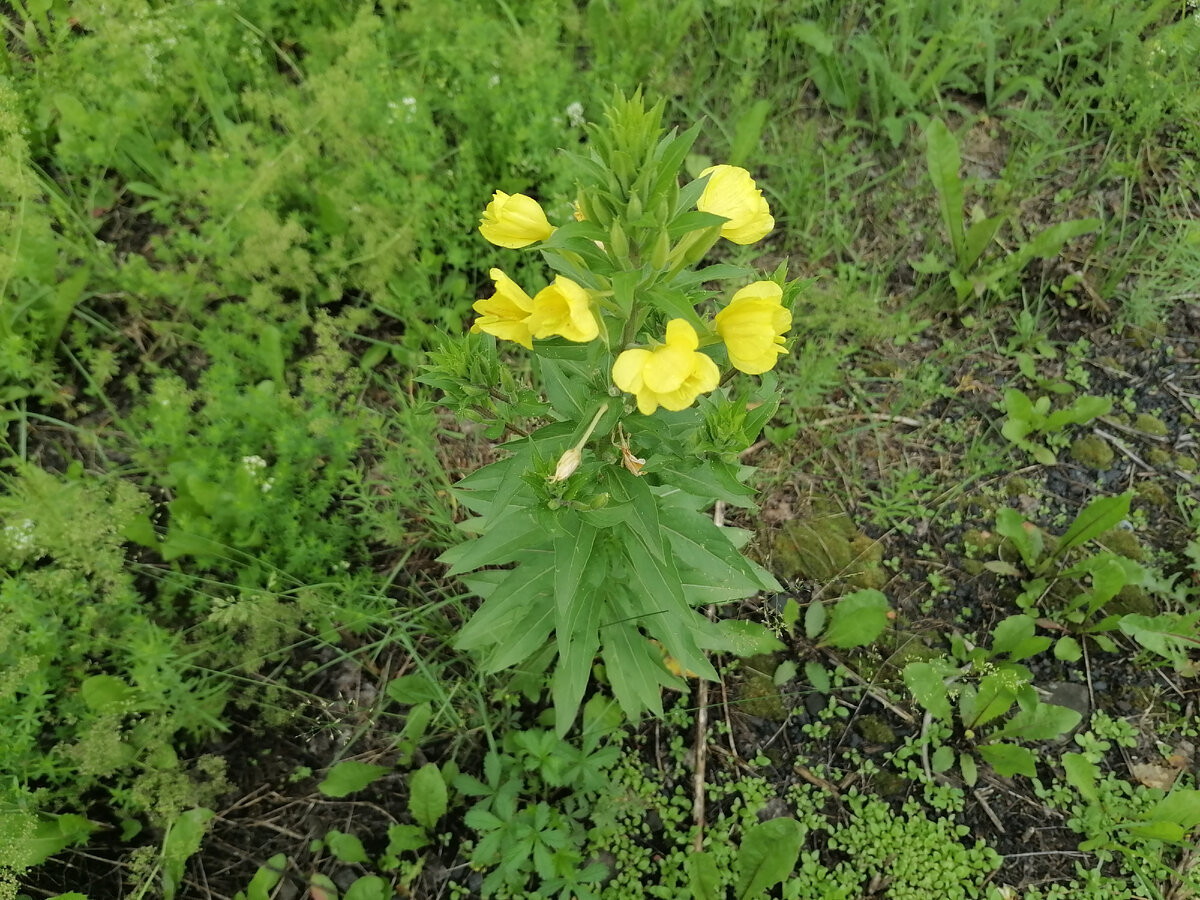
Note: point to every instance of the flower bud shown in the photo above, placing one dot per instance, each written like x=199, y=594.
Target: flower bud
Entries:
x=634, y=209
x=567, y=464
x=618, y=242
x=661, y=251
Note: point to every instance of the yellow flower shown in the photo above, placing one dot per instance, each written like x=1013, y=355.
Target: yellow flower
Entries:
x=506, y=313
x=731, y=193
x=672, y=375
x=753, y=325
x=563, y=308
x=514, y=221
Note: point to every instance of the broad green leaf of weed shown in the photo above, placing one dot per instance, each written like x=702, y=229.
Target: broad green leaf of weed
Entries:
x=1026, y=538
x=856, y=620
x=969, y=769
x=350, y=776
x=815, y=618
x=406, y=838
x=943, y=160
x=748, y=131
x=346, y=847
x=1015, y=636
x=265, y=879
x=369, y=887
x=703, y=877
x=942, y=759
x=427, y=795
x=928, y=686
x=818, y=676
x=767, y=855
x=181, y=843
x=1082, y=774
x=412, y=689
x=1096, y=518
x=1009, y=759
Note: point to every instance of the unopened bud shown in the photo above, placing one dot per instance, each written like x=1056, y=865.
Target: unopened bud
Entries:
x=567, y=464
x=662, y=250
x=618, y=242
x=634, y=209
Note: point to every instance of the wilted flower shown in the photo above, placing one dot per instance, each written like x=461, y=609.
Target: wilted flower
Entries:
x=753, y=325
x=506, y=313
x=514, y=221
x=567, y=464
x=563, y=308
x=731, y=193
x=672, y=375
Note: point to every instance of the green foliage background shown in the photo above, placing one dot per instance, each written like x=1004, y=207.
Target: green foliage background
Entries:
x=230, y=230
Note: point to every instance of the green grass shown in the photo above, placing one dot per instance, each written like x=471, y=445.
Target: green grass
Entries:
x=230, y=235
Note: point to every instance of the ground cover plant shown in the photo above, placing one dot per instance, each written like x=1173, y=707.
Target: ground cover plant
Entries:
x=876, y=576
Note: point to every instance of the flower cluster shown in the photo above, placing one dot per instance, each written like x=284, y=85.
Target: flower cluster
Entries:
x=671, y=373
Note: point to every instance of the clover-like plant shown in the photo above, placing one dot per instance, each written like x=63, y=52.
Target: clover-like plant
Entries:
x=591, y=533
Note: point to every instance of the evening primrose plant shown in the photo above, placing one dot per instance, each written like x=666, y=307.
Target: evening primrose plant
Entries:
x=591, y=536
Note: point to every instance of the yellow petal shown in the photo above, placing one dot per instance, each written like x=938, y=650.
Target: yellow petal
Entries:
x=627, y=370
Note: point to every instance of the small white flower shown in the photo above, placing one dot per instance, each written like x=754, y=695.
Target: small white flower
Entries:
x=493, y=81
x=266, y=486
x=253, y=464
x=20, y=535
x=575, y=114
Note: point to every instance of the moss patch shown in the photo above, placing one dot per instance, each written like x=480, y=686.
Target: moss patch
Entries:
x=1093, y=452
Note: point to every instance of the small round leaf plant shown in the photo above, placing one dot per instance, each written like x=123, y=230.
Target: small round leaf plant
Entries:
x=592, y=537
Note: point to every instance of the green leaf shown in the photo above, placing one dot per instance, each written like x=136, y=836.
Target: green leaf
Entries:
x=1049, y=243
x=743, y=638
x=748, y=131
x=703, y=548
x=413, y=689
x=634, y=669
x=818, y=676
x=703, y=877
x=1026, y=537
x=427, y=795
x=368, y=887
x=502, y=615
x=809, y=32
x=712, y=480
x=785, y=672
x=978, y=236
x=181, y=843
x=1082, y=774
x=1096, y=518
x=346, y=847
x=655, y=586
x=406, y=838
x=578, y=641
x=970, y=771
x=266, y=878
x=927, y=683
x=943, y=161
x=572, y=555
x=815, y=618
x=989, y=701
x=856, y=620
x=766, y=856
x=1067, y=649
x=519, y=531
x=1009, y=759
x=105, y=693
x=942, y=759
x=350, y=776
x=1181, y=807
x=562, y=380
x=1041, y=722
